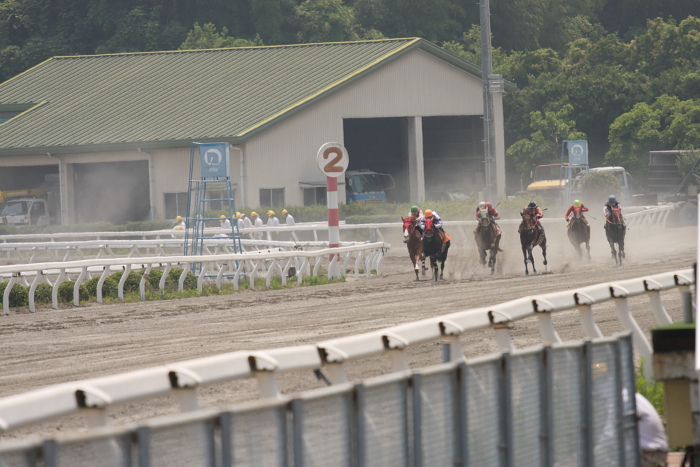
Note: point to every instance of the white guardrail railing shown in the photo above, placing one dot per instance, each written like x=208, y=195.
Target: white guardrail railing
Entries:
x=362, y=258
x=183, y=379
x=648, y=216
x=160, y=243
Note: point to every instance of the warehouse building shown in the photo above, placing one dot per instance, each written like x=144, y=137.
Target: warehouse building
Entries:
x=116, y=130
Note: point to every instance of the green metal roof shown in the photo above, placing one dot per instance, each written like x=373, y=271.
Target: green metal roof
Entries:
x=169, y=99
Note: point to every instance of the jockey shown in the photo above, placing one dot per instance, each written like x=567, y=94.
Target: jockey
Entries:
x=415, y=214
x=612, y=203
x=570, y=211
x=492, y=213
x=533, y=210
x=437, y=223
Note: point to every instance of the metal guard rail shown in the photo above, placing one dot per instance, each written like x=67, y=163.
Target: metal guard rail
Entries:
x=182, y=379
x=654, y=217
x=368, y=257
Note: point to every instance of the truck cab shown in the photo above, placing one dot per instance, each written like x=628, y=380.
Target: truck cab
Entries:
x=366, y=186
x=26, y=211
x=553, y=182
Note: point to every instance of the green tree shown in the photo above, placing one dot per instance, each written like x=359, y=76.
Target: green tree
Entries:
x=543, y=146
x=206, y=37
x=325, y=21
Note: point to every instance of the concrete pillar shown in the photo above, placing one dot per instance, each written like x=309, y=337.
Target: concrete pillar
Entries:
x=500, y=151
x=416, y=171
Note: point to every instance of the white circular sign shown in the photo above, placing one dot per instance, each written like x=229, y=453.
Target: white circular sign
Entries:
x=332, y=159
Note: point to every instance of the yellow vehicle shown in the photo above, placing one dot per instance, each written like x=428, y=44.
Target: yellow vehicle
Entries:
x=29, y=193
x=554, y=181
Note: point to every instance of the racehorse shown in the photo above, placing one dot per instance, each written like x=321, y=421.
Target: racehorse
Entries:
x=434, y=248
x=615, y=233
x=414, y=243
x=579, y=232
x=529, y=238
x=486, y=239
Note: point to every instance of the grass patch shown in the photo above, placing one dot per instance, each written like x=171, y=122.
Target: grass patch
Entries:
x=652, y=390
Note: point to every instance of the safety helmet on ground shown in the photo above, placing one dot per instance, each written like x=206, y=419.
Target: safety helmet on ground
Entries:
x=222, y=217
x=284, y=211
x=577, y=203
x=178, y=218
x=179, y=227
x=428, y=213
x=414, y=209
x=238, y=214
x=482, y=205
x=532, y=205
x=612, y=199
x=253, y=214
x=270, y=212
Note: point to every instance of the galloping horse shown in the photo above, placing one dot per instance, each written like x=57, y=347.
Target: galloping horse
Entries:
x=414, y=244
x=615, y=233
x=579, y=232
x=529, y=238
x=434, y=248
x=486, y=239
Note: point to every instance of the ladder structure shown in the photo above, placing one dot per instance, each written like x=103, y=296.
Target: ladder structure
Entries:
x=207, y=196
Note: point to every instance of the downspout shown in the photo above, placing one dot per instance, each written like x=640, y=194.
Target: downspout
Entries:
x=241, y=177
x=151, y=184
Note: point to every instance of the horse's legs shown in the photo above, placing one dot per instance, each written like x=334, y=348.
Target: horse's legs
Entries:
x=588, y=249
x=434, y=265
x=525, y=260
x=415, y=265
x=492, y=258
x=482, y=255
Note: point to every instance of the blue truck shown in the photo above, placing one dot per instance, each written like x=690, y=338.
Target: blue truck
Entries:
x=366, y=186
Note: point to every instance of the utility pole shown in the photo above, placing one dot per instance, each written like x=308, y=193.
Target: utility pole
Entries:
x=486, y=78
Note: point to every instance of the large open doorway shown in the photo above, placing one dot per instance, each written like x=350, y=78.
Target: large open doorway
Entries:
x=116, y=192
x=379, y=144
x=453, y=156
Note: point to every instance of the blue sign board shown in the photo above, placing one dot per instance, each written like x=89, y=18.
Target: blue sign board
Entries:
x=213, y=158
x=578, y=152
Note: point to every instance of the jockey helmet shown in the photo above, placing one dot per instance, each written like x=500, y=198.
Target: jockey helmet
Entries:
x=612, y=199
x=270, y=212
x=489, y=205
x=222, y=217
x=532, y=205
x=253, y=214
x=178, y=218
x=414, y=209
x=284, y=211
x=577, y=203
x=428, y=213
x=482, y=205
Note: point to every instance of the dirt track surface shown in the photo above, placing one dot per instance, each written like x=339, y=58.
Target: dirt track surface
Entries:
x=55, y=346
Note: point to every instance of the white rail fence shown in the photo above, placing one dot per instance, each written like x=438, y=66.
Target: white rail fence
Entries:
x=183, y=379
x=653, y=217
x=362, y=259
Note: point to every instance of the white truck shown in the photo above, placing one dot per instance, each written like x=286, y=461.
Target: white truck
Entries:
x=35, y=206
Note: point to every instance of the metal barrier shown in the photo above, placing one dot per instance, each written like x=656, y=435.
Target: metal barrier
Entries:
x=182, y=379
x=650, y=216
x=361, y=258
x=557, y=405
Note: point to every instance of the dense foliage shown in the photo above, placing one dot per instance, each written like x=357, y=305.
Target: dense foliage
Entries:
x=623, y=74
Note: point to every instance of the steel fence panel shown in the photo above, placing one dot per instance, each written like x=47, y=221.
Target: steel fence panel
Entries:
x=185, y=440
x=323, y=427
x=20, y=454
x=606, y=405
x=567, y=421
x=629, y=408
x=255, y=435
x=526, y=406
x=104, y=446
x=383, y=421
x=484, y=435
x=435, y=395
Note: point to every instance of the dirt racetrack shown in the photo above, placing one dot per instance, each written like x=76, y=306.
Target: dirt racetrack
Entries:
x=55, y=346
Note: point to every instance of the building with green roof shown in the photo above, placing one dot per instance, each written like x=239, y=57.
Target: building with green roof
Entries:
x=116, y=130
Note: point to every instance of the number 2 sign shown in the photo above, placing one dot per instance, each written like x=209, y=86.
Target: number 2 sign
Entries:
x=332, y=159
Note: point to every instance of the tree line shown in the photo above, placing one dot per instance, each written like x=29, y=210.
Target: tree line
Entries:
x=623, y=74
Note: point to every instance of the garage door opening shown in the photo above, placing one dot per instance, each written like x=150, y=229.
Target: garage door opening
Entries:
x=379, y=144
x=116, y=192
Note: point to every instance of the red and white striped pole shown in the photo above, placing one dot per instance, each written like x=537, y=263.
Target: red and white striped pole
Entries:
x=333, y=160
